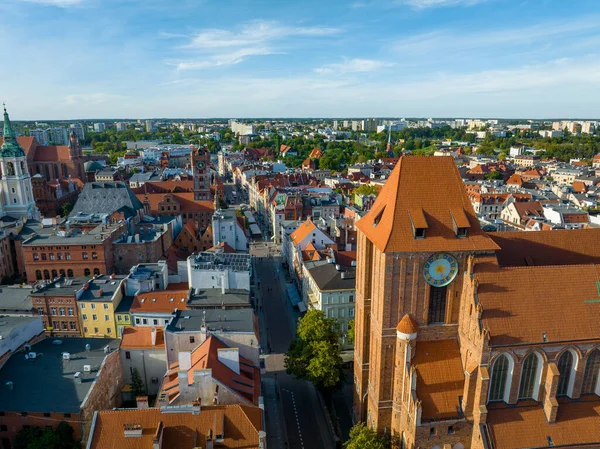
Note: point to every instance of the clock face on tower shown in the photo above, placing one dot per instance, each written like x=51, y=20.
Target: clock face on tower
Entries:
x=200, y=165
x=440, y=269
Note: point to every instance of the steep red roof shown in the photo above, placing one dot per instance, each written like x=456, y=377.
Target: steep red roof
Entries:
x=434, y=186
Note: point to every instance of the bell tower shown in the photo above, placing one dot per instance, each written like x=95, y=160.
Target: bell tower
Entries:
x=200, y=160
x=15, y=186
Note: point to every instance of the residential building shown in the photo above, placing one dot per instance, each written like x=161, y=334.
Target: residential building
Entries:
x=56, y=304
x=123, y=314
x=97, y=304
x=150, y=126
x=447, y=351
x=567, y=217
x=56, y=136
x=217, y=270
x=330, y=287
x=16, y=332
x=143, y=349
x=213, y=374
x=226, y=427
x=108, y=174
x=218, y=298
x=155, y=307
x=237, y=328
x=526, y=160
x=60, y=380
x=120, y=126
x=16, y=301
x=41, y=135
x=78, y=130
x=228, y=228
x=51, y=196
x=99, y=127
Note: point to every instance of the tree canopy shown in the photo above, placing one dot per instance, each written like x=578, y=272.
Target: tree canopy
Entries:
x=60, y=437
x=362, y=437
x=315, y=354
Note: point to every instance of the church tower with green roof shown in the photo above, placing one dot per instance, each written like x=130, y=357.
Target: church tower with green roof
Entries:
x=16, y=199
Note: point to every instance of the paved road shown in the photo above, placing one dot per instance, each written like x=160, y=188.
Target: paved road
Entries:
x=305, y=420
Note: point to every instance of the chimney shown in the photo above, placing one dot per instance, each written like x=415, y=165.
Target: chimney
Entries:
x=132, y=430
x=153, y=335
x=222, y=288
x=163, y=399
x=185, y=360
x=230, y=357
x=142, y=402
x=158, y=436
x=262, y=439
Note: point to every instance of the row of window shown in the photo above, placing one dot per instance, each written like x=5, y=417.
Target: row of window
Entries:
x=96, y=331
x=339, y=312
x=145, y=321
x=95, y=317
x=60, y=310
x=58, y=325
x=92, y=306
x=53, y=274
x=59, y=256
x=336, y=299
x=531, y=374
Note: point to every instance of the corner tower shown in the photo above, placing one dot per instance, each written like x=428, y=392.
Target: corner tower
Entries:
x=15, y=185
x=412, y=250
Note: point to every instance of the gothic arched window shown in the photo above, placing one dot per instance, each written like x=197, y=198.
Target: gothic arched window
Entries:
x=592, y=372
x=437, y=304
x=529, y=375
x=70, y=273
x=65, y=171
x=565, y=368
x=38, y=275
x=10, y=169
x=46, y=274
x=56, y=174
x=47, y=169
x=500, y=379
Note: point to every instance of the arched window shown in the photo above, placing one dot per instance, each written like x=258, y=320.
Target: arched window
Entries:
x=46, y=274
x=70, y=273
x=530, y=377
x=56, y=174
x=54, y=274
x=437, y=305
x=97, y=271
x=565, y=368
x=500, y=383
x=38, y=275
x=592, y=371
x=65, y=171
x=23, y=171
x=47, y=169
x=62, y=273
x=86, y=272
x=10, y=169
x=59, y=256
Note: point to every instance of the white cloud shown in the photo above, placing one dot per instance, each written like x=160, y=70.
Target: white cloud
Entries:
x=353, y=66
x=224, y=59
x=423, y=4
x=92, y=99
x=59, y=3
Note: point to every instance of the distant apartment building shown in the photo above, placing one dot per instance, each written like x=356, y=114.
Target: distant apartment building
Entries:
x=41, y=135
x=241, y=129
x=150, y=126
x=77, y=128
x=120, y=126
x=551, y=133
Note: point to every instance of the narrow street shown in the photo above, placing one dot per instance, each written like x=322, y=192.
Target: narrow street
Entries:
x=302, y=413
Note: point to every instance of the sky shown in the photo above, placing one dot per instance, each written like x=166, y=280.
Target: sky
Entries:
x=67, y=59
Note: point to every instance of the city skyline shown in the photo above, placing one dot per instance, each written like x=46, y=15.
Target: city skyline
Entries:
x=87, y=59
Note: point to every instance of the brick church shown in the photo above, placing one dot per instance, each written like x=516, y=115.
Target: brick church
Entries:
x=472, y=340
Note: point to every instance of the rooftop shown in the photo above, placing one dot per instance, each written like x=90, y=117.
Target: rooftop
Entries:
x=211, y=297
x=46, y=383
x=65, y=286
x=141, y=338
x=440, y=378
x=239, y=425
x=233, y=320
x=102, y=288
x=15, y=299
x=35, y=234
x=329, y=278
x=175, y=296
x=221, y=261
x=425, y=192
x=107, y=197
x=9, y=323
x=526, y=427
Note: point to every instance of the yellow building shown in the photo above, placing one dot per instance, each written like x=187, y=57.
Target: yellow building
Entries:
x=97, y=303
x=122, y=315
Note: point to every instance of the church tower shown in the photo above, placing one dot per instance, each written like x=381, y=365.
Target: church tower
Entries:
x=200, y=160
x=76, y=155
x=15, y=185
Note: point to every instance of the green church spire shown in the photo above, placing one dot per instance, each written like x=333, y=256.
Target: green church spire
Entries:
x=10, y=146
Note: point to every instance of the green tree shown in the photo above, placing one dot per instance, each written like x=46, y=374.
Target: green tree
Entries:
x=502, y=156
x=315, y=354
x=362, y=437
x=351, y=325
x=493, y=175
x=60, y=437
x=137, y=385
x=66, y=209
x=366, y=189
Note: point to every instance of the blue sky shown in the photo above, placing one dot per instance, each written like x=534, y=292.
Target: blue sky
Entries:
x=65, y=59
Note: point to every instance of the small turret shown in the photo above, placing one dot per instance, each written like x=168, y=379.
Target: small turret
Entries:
x=10, y=146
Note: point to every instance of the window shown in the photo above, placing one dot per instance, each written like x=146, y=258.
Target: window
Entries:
x=419, y=233
x=128, y=355
x=105, y=306
x=67, y=415
x=499, y=380
x=192, y=339
x=106, y=318
x=38, y=275
x=64, y=325
x=590, y=376
x=137, y=321
x=54, y=274
x=72, y=324
x=82, y=306
x=44, y=256
x=69, y=272
x=529, y=376
x=46, y=274
x=84, y=255
x=94, y=255
x=351, y=312
x=51, y=256
x=52, y=311
x=93, y=306
x=437, y=305
x=461, y=233
x=86, y=272
x=144, y=321
x=85, y=330
x=36, y=256
x=95, y=317
x=108, y=330
x=95, y=330
x=351, y=299
x=155, y=322
x=70, y=311
x=97, y=271
x=61, y=311
x=565, y=368
x=68, y=256
x=62, y=273
x=59, y=256
x=126, y=318
x=84, y=317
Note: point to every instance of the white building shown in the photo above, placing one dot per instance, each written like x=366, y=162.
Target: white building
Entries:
x=58, y=135
x=99, y=127
x=41, y=135
x=120, y=126
x=217, y=270
x=226, y=228
x=241, y=129
x=143, y=349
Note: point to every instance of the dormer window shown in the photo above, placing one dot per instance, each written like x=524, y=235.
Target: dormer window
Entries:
x=418, y=222
x=377, y=218
x=460, y=222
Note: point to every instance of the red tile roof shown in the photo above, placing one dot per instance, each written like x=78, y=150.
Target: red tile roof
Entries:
x=240, y=424
x=440, y=378
x=407, y=325
x=577, y=424
x=175, y=296
x=185, y=200
x=28, y=143
x=141, y=337
x=434, y=185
